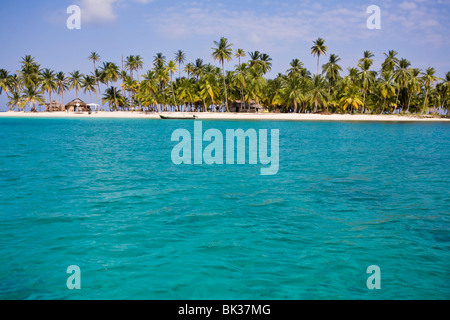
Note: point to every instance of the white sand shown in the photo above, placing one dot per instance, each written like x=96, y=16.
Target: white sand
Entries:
x=227, y=116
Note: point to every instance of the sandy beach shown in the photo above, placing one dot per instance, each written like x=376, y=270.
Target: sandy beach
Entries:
x=230, y=116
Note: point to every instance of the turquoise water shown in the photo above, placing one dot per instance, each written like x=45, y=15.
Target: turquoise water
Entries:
x=104, y=195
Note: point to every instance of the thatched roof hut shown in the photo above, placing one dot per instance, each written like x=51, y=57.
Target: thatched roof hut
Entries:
x=54, y=106
x=239, y=106
x=77, y=105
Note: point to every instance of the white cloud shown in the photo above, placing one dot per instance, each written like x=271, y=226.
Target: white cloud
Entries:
x=100, y=11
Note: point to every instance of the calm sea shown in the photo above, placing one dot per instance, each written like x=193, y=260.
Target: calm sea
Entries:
x=104, y=195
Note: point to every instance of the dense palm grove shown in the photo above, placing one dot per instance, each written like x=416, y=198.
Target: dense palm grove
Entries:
x=174, y=85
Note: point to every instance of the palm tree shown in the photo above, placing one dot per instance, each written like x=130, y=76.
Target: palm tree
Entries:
x=254, y=58
x=198, y=67
x=351, y=98
x=414, y=85
x=318, y=94
x=131, y=86
x=223, y=52
x=319, y=48
x=428, y=80
x=129, y=64
x=172, y=68
x=367, y=56
x=48, y=82
x=29, y=73
x=134, y=63
x=14, y=83
x=208, y=88
x=401, y=77
x=386, y=87
x=61, y=85
x=138, y=65
x=189, y=69
x=94, y=58
x=367, y=79
x=4, y=81
x=114, y=98
x=32, y=96
x=390, y=62
x=110, y=74
x=185, y=91
x=240, y=79
x=255, y=84
x=15, y=100
x=265, y=62
x=75, y=81
x=88, y=85
x=159, y=60
x=239, y=53
x=331, y=70
x=446, y=89
x=180, y=58
x=296, y=67
x=292, y=91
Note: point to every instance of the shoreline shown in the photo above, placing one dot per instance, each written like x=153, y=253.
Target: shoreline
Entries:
x=229, y=116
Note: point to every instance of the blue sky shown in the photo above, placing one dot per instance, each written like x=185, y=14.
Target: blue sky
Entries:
x=418, y=30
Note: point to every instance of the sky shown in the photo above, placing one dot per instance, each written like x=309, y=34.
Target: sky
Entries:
x=418, y=30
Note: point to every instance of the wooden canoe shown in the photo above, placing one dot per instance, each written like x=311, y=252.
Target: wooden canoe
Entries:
x=177, y=118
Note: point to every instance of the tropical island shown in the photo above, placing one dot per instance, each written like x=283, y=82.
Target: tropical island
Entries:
x=394, y=89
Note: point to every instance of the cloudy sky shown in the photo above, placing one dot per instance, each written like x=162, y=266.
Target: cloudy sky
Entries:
x=418, y=30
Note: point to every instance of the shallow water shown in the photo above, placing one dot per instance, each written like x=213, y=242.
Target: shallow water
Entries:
x=105, y=195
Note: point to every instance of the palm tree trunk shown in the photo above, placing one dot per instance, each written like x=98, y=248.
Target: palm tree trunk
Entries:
x=364, y=103
x=396, y=100
x=225, y=85
x=173, y=91
x=318, y=57
x=96, y=97
x=424, y=102
x=50, y=97
x=384, y=105
x=99, y=101
x=115, y=99
x=409, y=102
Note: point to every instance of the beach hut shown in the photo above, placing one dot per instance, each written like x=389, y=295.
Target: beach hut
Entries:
x=54, y=106
x=239, y=106
x=77, y=105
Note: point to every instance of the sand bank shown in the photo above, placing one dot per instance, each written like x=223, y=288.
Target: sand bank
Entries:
x=230, y=116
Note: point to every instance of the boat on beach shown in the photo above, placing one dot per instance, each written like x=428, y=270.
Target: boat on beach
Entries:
x=178, y=117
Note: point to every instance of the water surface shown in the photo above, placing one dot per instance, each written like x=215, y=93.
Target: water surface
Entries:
x=104, y=194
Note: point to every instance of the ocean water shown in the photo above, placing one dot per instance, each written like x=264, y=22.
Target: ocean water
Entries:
x=103, y=194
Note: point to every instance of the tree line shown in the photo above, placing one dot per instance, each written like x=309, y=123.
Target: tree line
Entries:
x=174, y=85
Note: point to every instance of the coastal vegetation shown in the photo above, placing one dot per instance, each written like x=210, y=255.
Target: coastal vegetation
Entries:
x=178, y=85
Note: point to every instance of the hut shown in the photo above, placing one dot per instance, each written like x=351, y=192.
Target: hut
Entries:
x=54, y=106
x=77, y=105
x=239, y=106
